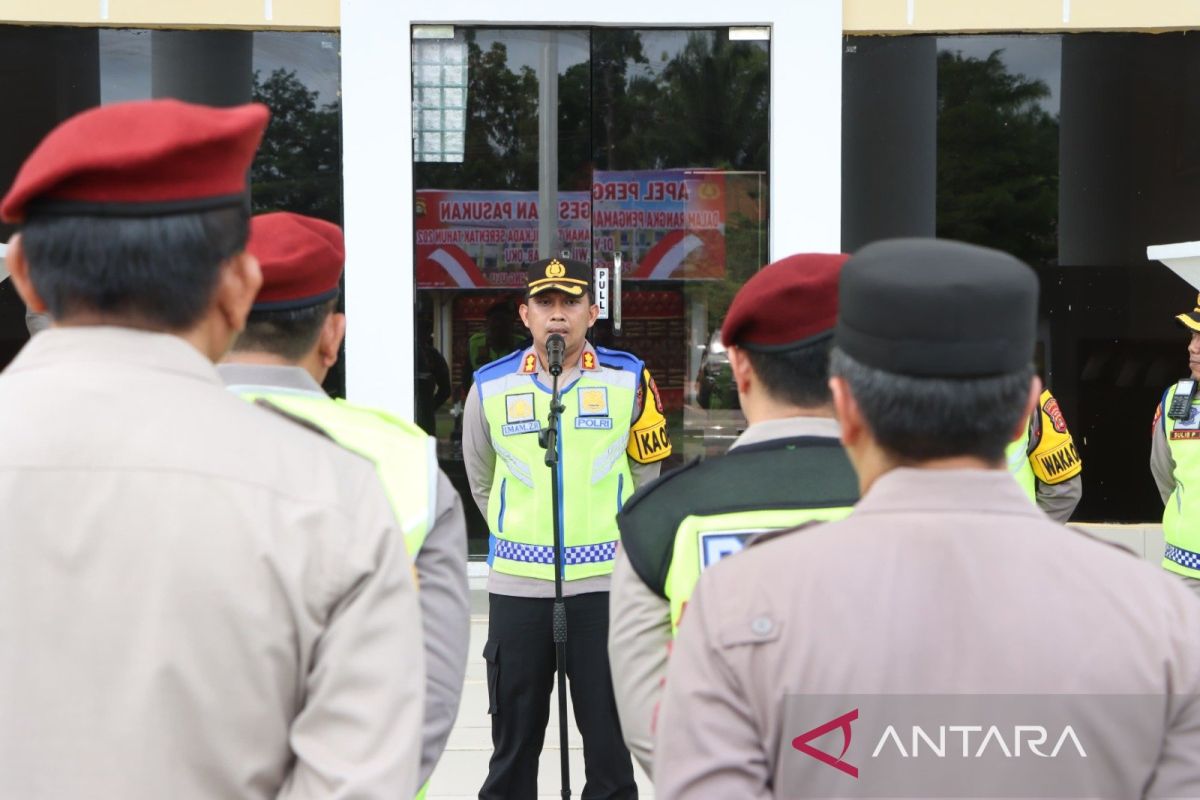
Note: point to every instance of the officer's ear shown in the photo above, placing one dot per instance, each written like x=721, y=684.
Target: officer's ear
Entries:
x=333, y=330
x=238, y=282
x=739, y=364
x=18, y=268
x=849, y=415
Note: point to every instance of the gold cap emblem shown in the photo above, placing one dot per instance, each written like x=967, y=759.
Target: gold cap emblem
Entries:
x=555, y=270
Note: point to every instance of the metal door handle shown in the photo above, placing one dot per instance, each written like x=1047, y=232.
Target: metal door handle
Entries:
x=616, y=300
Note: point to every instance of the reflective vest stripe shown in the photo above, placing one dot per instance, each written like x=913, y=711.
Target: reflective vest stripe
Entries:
x=1181, y=516
x=541, y=554
x=1017, y=455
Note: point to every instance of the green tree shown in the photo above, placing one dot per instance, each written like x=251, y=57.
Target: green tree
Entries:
x=299, y=164
x=715, y=104
x=997, y=166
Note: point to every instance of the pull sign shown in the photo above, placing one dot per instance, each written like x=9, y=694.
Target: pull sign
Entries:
x=600, y=284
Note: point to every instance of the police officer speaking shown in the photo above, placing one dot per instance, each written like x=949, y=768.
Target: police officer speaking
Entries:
x=613, y=436
x=198, y=597
x=786, y=468
x=291, y=339
x=944, y=594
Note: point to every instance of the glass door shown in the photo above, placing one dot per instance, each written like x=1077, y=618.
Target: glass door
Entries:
x=644, y=152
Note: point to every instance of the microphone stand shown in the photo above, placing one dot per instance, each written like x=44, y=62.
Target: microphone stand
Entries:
x=549, y=439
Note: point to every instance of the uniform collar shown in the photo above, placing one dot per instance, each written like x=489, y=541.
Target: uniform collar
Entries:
x=162, y=352
x=947, y=490
x=242, y=378
x=588, y=361
x=788, y=428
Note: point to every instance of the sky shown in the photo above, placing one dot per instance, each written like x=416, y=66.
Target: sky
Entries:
x=125, y=61
x=1034, y=56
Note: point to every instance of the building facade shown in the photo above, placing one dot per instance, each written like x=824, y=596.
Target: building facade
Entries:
x=678, y=148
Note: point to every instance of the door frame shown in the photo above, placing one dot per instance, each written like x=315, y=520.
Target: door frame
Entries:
x=377, y=128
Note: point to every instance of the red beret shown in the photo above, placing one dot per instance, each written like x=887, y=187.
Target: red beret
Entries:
x=144, y=158
x=301, y=259
x=785, y=304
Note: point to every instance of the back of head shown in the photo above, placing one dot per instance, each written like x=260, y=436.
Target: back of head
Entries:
x=301, y=260
x=935, y=341
x=783, y=318
x=128, y=210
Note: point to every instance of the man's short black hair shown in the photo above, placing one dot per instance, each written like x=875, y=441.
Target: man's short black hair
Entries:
x=919, y=419
x=154, y=271
x=799, y=376
x=289, y=334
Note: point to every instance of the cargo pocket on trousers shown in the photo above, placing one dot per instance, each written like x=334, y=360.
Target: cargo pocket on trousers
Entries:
x=491, y=653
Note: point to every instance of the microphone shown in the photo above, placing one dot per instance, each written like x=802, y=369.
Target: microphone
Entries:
x=556, y=348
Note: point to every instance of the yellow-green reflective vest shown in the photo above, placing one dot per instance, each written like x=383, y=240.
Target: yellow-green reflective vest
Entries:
x=691, y=518
x=405, y=457
x=1181, y=516
x=395, y=446
x=593, y=468
x=1017, y=454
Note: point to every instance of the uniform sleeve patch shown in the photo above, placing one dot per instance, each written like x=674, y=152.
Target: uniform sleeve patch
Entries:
x=1053, y=456
x=648, y=440
x=649, y=443
x=1054, y=413
x=654, y=392
x=1057, y=465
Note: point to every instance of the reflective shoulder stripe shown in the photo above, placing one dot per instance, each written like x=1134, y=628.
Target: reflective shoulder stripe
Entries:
x=498, y=367
x=620, y=360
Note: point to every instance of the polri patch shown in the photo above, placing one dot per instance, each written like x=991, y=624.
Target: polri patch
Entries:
x=594, y=423
x=519, y=407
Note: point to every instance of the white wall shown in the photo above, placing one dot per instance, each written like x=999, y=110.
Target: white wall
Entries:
x=805, y=167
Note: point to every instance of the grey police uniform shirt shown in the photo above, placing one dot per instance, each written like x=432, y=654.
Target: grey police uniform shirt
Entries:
x=1058, y=500
x=639, y=628
x=480, y=461
x=1162, y=463
x=198, y=598
x=939, y=582
x=441, y=566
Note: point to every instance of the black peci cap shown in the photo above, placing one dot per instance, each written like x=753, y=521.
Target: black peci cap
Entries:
x=934, y=308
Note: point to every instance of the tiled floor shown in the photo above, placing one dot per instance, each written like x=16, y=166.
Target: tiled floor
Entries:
x=463, y=767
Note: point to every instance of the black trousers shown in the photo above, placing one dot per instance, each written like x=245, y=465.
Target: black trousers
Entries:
x=520, y=671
